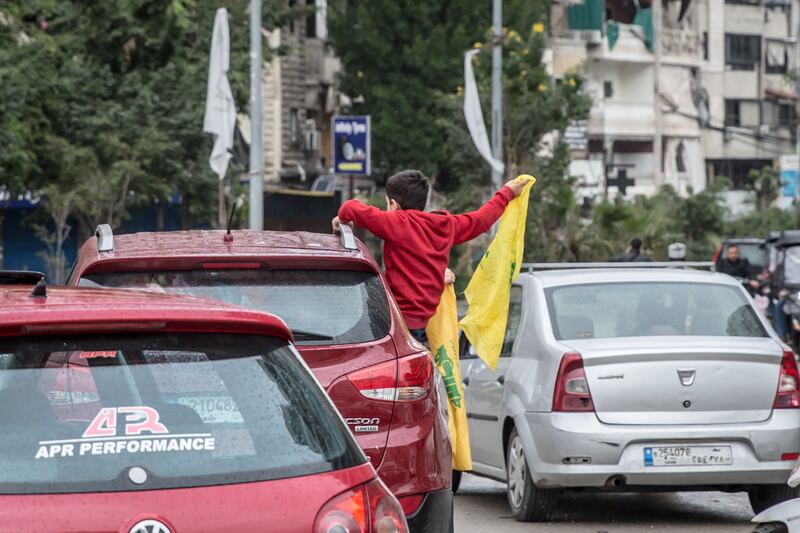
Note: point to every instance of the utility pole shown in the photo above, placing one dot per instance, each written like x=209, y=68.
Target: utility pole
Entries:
x=256, y=162
x=497, y=91
x=657, y=142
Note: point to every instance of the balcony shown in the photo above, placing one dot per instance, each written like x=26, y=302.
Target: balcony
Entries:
x=622, y=120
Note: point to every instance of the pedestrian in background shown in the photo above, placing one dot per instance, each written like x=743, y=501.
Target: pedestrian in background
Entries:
x=633, y=255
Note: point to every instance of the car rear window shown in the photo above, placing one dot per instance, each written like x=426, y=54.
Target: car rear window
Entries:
x=607, y=310
x=320, y=306
x=151, y=411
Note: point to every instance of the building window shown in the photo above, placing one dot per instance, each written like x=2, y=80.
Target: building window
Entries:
x=747, y=2
x=294, y=127
x=776, y=57
x=742, y=52
x=777, y=115
x=705, y=46
x=742, y=113
x=608, y=89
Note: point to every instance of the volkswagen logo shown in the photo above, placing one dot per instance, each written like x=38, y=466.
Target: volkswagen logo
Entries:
x=150, y=526
x=687, y=376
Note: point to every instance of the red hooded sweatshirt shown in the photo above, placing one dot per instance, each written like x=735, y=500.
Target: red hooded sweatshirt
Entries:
x=417, y=248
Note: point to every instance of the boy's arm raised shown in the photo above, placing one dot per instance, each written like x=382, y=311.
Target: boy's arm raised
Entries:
x=367, y=217
x=470, y=225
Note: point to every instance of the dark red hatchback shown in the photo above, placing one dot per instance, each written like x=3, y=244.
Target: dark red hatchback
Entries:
x=130, y=412
x=332, y=294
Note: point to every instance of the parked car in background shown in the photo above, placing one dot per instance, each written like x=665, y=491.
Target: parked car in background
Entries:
x=347, y=327
x=634, y=379
x=127, y=411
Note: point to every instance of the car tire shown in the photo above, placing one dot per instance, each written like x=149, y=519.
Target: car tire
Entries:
x=456, y=480
x=762, y=497
x=772, y=527
x=528, y=503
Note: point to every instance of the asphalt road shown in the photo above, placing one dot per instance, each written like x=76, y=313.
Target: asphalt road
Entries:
x=481, y=506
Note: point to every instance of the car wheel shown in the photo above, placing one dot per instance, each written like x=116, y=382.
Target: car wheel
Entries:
x=772, y=527
x=456, y=480
x=762, y=497
x=528, y=503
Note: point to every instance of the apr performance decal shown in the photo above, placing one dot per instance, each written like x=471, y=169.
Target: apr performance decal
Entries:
x=118, y=430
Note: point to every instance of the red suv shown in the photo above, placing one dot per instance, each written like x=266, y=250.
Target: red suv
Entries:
x=332, y=294
x=132, y=412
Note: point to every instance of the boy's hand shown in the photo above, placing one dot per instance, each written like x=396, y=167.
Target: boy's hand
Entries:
x=449, y=277
x=517, y=184
x=336, y=224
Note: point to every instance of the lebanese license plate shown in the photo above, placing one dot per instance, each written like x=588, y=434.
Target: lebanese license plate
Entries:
x=214, y=409
x=688, y=456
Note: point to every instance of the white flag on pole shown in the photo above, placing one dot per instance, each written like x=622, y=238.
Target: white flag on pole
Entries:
x=220, y=117
x=474, y=115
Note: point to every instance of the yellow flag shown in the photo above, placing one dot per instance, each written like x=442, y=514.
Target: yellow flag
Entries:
x=489, y=289
x=442, y=333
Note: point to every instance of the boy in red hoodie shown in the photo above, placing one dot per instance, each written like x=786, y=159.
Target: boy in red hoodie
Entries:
x=416, y=243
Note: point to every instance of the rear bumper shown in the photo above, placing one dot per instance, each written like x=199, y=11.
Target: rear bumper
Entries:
x=434, y=515
x=618, y=451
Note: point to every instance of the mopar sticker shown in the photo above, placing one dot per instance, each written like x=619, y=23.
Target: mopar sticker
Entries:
x=116, y=430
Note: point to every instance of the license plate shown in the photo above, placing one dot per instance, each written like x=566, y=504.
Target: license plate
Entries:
x=688, y=456
x=213, y=409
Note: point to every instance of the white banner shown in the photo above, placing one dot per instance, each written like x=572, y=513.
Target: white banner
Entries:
x=220, y=117
x=474, y=115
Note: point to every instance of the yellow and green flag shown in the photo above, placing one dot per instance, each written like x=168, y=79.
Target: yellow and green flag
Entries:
x=489, y=289
x=442, y=333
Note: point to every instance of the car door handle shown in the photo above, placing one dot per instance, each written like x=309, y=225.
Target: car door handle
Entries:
x=465, y=381
x=501, y=379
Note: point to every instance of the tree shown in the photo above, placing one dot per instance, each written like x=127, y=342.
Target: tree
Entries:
x=398, y=56
x=101, y=103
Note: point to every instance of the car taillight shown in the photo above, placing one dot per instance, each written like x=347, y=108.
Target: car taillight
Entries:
x=404, y=380
x=788, y=396
x=572, y=388
x=369, y=508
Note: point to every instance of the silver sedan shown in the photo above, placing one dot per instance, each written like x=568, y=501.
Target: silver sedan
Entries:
x=634, y=380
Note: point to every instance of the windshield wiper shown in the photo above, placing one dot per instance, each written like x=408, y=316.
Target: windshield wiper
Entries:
x=300, y=334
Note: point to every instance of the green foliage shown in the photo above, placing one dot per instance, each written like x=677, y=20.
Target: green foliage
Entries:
x=101, y=103
x=399, y=56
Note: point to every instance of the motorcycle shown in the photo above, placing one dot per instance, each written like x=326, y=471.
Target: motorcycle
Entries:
x=784, y=517
x=786, y=282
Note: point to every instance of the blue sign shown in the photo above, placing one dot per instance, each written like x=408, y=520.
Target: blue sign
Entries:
x=790, y=165
x=351, y=145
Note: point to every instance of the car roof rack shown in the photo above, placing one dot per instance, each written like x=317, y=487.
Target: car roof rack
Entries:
x=531, y=267
x=348, y=238
x=20, y=277
x=105, y=238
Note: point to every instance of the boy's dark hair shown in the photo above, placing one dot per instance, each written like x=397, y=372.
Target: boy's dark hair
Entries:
x=409, y=188
x=636, y=244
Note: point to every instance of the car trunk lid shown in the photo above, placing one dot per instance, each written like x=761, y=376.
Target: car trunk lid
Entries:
x=681, y=380
x=368, y=419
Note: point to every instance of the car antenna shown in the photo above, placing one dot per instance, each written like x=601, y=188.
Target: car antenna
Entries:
x=40, y=290
x=229, y=236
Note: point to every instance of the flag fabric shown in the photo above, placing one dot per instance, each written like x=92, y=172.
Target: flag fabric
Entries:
x=442, y=334
x=474, y=115
x=220, y=115
x=489, y=289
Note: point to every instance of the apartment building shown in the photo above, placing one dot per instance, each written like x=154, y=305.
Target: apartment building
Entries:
x=299, y=98
x=724, y=102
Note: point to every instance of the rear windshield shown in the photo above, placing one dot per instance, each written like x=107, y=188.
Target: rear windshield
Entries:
x=147, y=411
x=320, y=306
x=607, y=310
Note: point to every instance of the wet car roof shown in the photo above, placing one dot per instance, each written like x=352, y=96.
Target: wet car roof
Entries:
x=81, y=309
x=552, y=278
